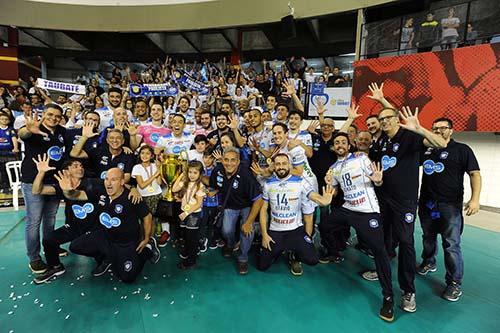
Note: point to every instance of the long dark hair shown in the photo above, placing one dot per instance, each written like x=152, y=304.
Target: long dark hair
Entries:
x=193, y=164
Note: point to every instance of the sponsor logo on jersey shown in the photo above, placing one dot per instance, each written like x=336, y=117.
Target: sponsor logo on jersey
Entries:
x=443, y=155
x=430, y=167
x=373, y=223
x=81, y=212
x=395, y=147
x=388, y=162
x=118, y=209
x=127, y=266
x=308, y=239
x=409, y=217
x=55, y=153
x=154, y=137
x=109, y=222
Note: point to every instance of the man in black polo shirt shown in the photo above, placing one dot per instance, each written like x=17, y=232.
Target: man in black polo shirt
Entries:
x=105, y=157
x=399, y=148
x=117, y=243
x=244, y=200
x=441, y=202
x=44, y=136
x=80, y=216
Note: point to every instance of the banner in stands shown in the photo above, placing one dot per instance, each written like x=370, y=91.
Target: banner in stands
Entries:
x=61, y=86
x=148, y=90
x=461, y=84
x=184, y=79
x=336, y=100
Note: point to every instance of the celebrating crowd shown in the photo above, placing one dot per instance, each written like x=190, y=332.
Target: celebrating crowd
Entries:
x=249, y=177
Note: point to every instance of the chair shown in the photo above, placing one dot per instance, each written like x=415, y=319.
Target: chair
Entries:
x=14, y=174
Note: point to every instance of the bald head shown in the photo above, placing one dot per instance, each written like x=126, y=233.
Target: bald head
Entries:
x=114, y=182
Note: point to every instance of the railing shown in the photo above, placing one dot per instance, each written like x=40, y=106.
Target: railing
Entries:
x=469, y=23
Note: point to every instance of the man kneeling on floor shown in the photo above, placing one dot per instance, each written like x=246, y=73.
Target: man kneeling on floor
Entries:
x=117, y=243
x=287, y=195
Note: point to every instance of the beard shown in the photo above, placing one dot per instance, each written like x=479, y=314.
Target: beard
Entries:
x=282, y=173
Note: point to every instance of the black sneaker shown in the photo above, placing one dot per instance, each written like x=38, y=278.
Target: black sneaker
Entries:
x=227, y=252
x=424, y=268
x=49, y=274
x=155, y=250
x=452, y=292
x=62, y=252
x=328, y=258
x=38, y=266
x=387, y=310
x=204, y=245
x=101, y=269
x=242, y=268
x=213, y=244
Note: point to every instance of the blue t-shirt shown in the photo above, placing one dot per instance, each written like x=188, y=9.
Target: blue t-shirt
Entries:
x=6, y=143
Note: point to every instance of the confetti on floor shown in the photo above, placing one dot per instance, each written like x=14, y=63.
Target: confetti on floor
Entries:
x=67, y=317
x=41, y=305
x=172, y=302
x=155, y=315
x=117, y=312
x=59, y=310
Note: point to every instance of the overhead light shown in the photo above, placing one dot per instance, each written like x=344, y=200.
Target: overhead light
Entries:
x=347, y=55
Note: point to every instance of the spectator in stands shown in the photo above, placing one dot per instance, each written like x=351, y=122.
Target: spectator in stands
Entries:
x=449, y=36
x=427, y=33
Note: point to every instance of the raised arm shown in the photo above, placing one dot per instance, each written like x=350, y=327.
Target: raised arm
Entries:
x=378, y=94
x=42, y=165
x=324, y=200
x=410, y=122
x=352, y=114
x=87, y=133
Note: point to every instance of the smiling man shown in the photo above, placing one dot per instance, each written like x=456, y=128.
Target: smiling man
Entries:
x=40, y=137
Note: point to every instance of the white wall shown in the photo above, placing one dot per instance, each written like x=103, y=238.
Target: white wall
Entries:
x=486, y=147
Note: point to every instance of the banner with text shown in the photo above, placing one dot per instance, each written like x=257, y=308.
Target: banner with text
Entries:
x=61, y=86
x=148, y=90
x=184, y=79
x=335, y=100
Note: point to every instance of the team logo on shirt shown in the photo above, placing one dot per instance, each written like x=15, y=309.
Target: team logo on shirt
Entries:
x=154, y=137
x=55, y=153
x=121, y=166
x=102, y=200
x=127, y=266
x=61, y=139
x=235, y=184
x=373, y=223
x=108, y=221
x=395, y=147
x=118, y=209
x=388, y=162
x=443, y=155
x=82, y=211
x=176, y=150
x=409, y=217
x=104, y=160
x=430, y=167
x=103, y=175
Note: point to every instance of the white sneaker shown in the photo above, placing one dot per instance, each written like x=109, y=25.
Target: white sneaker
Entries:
x=370, y=275
x=408, y=302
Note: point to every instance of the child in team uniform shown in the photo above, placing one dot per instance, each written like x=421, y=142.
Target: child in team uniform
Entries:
x=148, y=177
x=210, y=234
x=9, y=149
x=189, y=186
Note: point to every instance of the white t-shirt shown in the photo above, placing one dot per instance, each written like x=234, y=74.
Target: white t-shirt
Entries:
x=191, y=194
x=449, y=32
x=152, y=189
x=174, y=145
x=194, y=155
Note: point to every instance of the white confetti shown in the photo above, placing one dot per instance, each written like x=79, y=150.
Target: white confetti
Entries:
x=71, y=284
x=26, y=294
x=172, y=302
x=67, y=317
x=56, y=300
x=24, y=283
x=19, y=297
x=192, y=296
x=125, y=297
x=155, y=315
x=11, y=331
x=10, y=312
x=15, y=306
x=145, y=277
x=186, y=279
x=147, y=297
x=0, y=301
x=11, y=286
x=115, y=289
x=59, y=310
x=78, y=278
x=83, y=294
x=11, y=295
x=41, y=305
x=164, y=276
x=36, y=301
x=117, y=312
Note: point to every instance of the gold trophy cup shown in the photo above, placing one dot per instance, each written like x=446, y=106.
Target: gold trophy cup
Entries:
x=170, y=168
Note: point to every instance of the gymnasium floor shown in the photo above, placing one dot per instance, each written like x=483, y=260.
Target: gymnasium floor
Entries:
x=213, y=298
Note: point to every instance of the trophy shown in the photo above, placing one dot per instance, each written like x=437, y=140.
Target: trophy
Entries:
x=170, y=168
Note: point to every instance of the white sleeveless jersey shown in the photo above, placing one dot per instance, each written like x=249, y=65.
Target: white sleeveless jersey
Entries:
x=286, y=199
x=174, y=145
x=351, y=174
x=303, y=136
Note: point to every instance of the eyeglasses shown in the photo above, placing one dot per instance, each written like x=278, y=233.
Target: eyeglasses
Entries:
x=441, y=128
x=382, y=119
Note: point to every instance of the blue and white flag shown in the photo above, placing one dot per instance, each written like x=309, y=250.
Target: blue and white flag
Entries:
x=184, y=79
x=61, y=86
x=148, y=90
